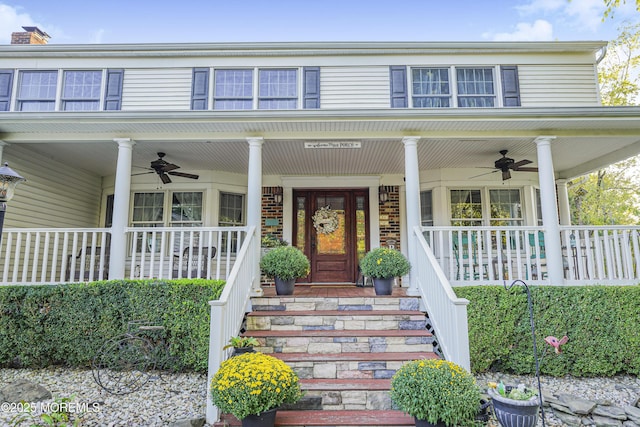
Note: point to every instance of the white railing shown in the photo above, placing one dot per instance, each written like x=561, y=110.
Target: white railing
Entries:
x=36, y=255
x=61, y=255
x=187, y=252
x=590, y=254
x=447, y=312
x=227, y=313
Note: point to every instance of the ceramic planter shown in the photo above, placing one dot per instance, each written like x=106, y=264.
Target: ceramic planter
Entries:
x=265, y=419
x=284, y=287
x=383, y=286
x=514, y=413
x=425, y=423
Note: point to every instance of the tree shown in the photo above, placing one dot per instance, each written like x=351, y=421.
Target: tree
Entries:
x=610, y=5
x=611, y=196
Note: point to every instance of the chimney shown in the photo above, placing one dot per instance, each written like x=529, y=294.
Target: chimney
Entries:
x=31, y=35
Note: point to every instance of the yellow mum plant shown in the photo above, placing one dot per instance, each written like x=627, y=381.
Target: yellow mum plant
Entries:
x=253, y=383
x=384, y=263
x=436, y=391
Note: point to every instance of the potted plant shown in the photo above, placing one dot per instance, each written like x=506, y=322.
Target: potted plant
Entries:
x=514, y=406
x=252, y=386
x=285, y=264
x=384, y=265
x=242, y=344
x=436, y=392
x=269, y=242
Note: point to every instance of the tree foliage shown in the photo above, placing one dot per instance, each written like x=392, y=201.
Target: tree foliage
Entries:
x=610, y=5
x=618, y=71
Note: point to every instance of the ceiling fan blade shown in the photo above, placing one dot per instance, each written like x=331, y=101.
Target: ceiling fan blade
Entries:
x=506, y=174
x=527, y=169
x=184, y=175
x=142, y=173
x=516, y=165
x=169, y=167
x=483, y=174
x=165, y=178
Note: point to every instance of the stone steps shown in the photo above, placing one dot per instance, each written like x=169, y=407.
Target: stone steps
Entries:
x=345, y=344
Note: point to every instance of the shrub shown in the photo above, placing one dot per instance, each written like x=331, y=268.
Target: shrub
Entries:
x=285, y=262
x=67, y=324
x=384, y=263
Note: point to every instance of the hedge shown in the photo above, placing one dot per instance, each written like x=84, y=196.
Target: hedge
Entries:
x=67, y=324
x=602, y=323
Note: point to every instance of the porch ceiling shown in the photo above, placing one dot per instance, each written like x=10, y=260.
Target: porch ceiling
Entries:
x=586, y=138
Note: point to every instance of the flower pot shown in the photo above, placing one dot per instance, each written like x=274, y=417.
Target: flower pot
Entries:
x=383, y=285
x=265, y=419
x=514, y=413
x=425, y=423
x=242, y=350
x=284, y=287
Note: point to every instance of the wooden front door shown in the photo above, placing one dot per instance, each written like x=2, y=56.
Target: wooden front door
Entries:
x=337, y=238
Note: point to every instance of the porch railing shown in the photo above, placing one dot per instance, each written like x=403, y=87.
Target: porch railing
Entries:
x=447, y=312
x=227, y=313
x=59, y=255
x=590, y=254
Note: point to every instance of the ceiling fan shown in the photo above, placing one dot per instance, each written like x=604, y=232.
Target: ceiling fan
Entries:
x=506, y=165
x=164, y=169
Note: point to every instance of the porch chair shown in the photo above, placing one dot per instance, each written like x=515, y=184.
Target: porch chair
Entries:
x=81, y=273
x=540, y=253
x=195, y=263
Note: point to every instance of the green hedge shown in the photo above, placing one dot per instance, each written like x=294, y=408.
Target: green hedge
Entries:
x=67, y=324
x=602, y=323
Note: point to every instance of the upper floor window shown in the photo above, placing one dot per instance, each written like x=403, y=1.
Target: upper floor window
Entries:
x=233, y=90
x=431, y=87
x=475, y=87
x=37, y=90
x=278, y=89
x=81, y=90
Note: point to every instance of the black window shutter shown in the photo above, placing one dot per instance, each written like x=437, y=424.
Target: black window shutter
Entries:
x=6, y=83
x=398, y=80
x=311, y=76
x=510, y=86
x=113, y=95
x=200, y=89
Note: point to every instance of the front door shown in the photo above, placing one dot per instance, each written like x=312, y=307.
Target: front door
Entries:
x=331, y=229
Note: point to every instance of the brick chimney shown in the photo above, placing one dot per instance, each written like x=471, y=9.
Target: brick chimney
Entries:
x=30, y=35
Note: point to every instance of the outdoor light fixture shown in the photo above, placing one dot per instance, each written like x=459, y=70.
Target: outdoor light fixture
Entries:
x=277, y=195
x=8, y=181
x=383, y=194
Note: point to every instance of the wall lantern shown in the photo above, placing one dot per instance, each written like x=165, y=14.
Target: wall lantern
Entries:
x=8, y=181
x=277, y=195
x=383, y=194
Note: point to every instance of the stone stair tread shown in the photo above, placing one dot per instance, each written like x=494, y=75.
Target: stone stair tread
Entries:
x=265, y=313
x=341, y=333
x=323, y=357
x=345, y=384
x=335, y=418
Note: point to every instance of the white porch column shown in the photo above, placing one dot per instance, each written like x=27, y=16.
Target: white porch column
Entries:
x=550, y=220
x=412, y=183
x=122, y=195
x=254, y=201
x=563, y=202
x=2, y=144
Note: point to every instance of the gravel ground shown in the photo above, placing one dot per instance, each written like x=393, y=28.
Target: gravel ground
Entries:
x=175, y=397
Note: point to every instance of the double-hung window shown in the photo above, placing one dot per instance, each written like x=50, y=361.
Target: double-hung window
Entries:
x=81, y=90
x=505, y=207
x=470, y=207
x=233, y=90
x=431, y=88
x=37, y=90
x=278, y=89
x=476, y=88
x=466, y=207
x=231, y=214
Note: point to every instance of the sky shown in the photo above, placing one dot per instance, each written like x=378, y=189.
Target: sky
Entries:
x=187, y=21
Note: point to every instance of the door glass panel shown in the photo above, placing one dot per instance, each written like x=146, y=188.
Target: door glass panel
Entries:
x=332, y=243
x=361, y=227
x=301, y=217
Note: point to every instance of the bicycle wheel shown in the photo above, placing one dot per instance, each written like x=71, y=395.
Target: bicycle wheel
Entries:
x=122, y=364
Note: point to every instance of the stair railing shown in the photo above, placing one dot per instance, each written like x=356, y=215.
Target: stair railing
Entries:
x=447, y=312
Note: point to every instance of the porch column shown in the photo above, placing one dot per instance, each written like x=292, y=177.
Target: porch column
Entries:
x=563, y=202
x=254, y=203
x=122, y=194
x=412, y=184
x=550, y=219
x=2, y=144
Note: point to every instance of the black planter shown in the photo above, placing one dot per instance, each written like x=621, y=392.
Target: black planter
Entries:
x=265, y=419
x=425, y=423
x=284, y=287
x=242, y=350
x=384, y=285
x=514, y=413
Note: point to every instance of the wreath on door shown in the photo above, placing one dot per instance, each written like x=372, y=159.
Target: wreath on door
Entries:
x=325, y=220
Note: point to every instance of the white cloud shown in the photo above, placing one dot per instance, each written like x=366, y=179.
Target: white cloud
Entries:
x=12, y=20
x=540, y=30
x=541, y=6
x=572, y=13
x=587, y=13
